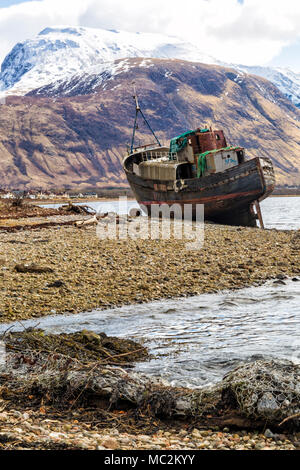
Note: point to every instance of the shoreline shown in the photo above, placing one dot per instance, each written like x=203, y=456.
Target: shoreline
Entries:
x=24, y=324
x=75, y=272
x=108, y=199
x=83, y=273
x=48, y=400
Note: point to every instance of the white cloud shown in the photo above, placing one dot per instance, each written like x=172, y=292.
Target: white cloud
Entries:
x=251, y=33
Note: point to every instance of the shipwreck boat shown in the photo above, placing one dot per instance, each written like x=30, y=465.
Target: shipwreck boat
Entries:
x=199, y=167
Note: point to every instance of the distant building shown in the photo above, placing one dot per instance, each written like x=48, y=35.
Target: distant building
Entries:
x=7, y=196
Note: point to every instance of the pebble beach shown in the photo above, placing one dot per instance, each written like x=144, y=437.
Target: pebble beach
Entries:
x=80, y=272
x=23, y=430
x=74, y=271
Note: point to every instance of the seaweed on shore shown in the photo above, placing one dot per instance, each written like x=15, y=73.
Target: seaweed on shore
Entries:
x=85, y=346
x=80, y=370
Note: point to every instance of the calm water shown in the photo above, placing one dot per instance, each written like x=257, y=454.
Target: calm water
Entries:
x=281, y=212
x=196, y=340
x=278, y=212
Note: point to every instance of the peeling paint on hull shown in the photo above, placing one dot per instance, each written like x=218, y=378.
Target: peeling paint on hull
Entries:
x=228, y=197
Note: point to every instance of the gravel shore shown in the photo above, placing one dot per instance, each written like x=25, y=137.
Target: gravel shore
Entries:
x=84, y=273
x=31, y=429
x=75, y=271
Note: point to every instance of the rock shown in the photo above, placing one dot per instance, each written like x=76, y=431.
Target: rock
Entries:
x=90, y=336
x=204, y=433
x=259, y=446
x=196, y=433
x=281, y=276
x=267, y=404
x=56, y=435
x=57, y=283
x=32, y=268
x=110, y=443
x=3, y=416
x=279, y=437
x=269, y=434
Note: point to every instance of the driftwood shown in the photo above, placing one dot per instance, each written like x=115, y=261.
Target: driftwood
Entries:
x=77, y=209
x=32, y=268
x=84, y=223
x=93, y=220
x=109, y=217
x=253, y=395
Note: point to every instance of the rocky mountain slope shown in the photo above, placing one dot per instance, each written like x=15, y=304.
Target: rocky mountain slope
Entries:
x=286, y=80
x=75, y=134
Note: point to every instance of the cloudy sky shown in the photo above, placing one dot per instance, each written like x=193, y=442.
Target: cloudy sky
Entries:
x=251, y=32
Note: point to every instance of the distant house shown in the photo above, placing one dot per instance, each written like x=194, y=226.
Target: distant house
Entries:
x=41, y=196
x=7, y=196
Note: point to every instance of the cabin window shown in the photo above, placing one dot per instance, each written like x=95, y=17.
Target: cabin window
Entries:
x=217, y=137
x=241, y=156
x=183, y=172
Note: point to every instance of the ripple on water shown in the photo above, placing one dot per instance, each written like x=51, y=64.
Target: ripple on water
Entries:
x=196, y=340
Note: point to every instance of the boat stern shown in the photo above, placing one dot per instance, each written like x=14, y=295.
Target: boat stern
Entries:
x=267, y=175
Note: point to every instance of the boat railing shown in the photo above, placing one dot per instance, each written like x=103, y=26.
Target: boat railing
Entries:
x=157, y=155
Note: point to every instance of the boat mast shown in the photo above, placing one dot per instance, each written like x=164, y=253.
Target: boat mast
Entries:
x=137, y=111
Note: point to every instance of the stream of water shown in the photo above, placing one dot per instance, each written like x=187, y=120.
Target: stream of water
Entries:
x=196, y=340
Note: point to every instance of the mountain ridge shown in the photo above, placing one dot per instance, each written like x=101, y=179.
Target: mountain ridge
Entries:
x=58, y=53
x=79, y=140
x=61, y=52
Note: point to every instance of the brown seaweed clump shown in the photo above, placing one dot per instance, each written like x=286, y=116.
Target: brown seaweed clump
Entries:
x=80, y=370
x=85, y=346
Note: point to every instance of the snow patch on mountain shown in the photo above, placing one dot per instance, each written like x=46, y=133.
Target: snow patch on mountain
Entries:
x=97, y=76
x=287, y=81
x=61, y=52
x=66, y=55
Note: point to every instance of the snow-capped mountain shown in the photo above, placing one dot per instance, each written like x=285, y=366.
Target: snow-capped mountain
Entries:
x=287, y=81
x=79, y=140
x=58, y=53
x=62, y=54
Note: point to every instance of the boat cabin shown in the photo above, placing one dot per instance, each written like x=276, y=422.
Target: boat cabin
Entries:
x=207, y=151
x=194, y=154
